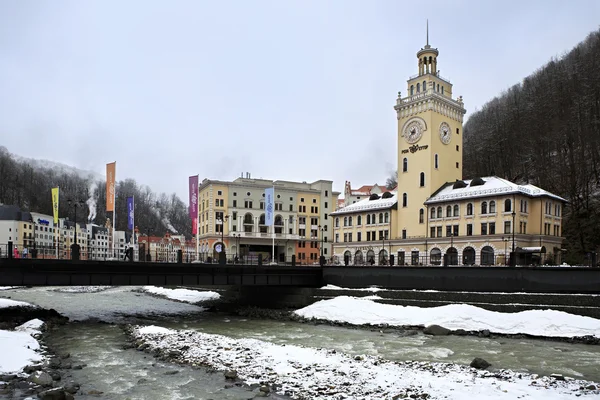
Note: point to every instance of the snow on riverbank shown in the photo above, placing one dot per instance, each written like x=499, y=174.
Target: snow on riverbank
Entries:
x=185, y=295
x=359, y=311
x=19, y=348
x=307, y=373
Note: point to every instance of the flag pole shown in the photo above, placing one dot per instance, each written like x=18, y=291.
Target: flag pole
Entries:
x=133, y=227
x=114, y=211
x=273, y=227
x=197, y=216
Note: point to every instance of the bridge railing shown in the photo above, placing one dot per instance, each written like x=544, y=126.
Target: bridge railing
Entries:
x=167, y=255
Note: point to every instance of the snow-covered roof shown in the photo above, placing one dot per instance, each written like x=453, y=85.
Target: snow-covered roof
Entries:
x=367, y=204
x=492, y=186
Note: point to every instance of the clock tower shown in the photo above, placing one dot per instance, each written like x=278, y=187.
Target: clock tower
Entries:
x=430, y=142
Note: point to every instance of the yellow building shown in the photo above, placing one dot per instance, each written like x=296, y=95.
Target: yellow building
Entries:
x=232, y=218
x=440, y=217
x=363, y=230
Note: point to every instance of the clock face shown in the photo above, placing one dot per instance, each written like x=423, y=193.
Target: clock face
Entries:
x=445, y=135
x=413, y=132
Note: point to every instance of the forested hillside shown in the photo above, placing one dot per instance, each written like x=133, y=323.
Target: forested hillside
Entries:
x=546, y=131
x=29, y=187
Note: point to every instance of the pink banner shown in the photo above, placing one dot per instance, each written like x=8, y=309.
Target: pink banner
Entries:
x=194, y=226
x=194, y=197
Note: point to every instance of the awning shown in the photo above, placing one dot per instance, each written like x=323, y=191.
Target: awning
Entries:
x=540, y=249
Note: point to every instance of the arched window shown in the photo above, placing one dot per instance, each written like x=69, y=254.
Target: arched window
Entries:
x=345, y=221
x=349, y=221
x=468, y=256
x=435, y=256
x=424, y=86
x=470, y=209
x=404, y=200
x=432, y=213
x=373, y=220
x=370, y=257
x=439, y=212
x=421, y=215
x=442, y=90
x=435, y=162
x=358, y=258
x=484, y=207
x=368, y=219
x=405, y=164
x=438, y=87
x=422, y=179
x=337, y=222
x=383, y=257
x=487, y=256
x=456, y=209
x=418, y=87
x=386, y=217
x=507, y=205
x=359, y=220
x=412, y=89
x=347, y=256
x=381, y=218
x=492, y=207
x=448, y=211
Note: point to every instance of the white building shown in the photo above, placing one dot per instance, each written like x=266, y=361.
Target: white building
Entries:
x=98, y=242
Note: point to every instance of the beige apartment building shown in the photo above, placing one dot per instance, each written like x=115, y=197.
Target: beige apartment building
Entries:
x=434, y=214
x=232, y=216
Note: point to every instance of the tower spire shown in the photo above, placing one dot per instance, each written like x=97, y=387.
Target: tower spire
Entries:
x=428, y=32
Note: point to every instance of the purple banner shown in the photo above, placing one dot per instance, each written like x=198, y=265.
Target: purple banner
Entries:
x=194, y=197
x=130, y=206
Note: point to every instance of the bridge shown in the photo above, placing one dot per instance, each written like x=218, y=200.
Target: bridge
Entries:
x=48, y=272
x=39, y=272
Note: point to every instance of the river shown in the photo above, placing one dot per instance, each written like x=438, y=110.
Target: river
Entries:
x=129, y=374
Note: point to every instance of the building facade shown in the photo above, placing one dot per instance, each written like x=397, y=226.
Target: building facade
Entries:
x=439, y=218
x=232, y=218
x=363, y=231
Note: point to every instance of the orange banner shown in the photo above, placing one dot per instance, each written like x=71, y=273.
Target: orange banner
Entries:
x=111, y=170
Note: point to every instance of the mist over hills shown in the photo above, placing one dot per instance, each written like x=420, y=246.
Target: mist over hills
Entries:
x=27, y=183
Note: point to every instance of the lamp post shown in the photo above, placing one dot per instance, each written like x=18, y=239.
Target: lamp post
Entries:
x=75, y=246
x=505, y=240
x=236, y=237
x=513, y=229
x=321, y=229
x=148, y=244
x=451, y=248
x=222, y=259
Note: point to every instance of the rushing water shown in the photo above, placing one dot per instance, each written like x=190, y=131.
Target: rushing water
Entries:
x=129, y=374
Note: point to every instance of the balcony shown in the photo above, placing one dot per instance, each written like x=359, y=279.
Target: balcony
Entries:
x=263, y=235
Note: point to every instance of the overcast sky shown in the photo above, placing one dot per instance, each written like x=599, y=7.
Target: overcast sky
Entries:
x=293, y=90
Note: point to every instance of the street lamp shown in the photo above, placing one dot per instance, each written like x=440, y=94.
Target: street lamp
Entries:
x=505, y=240
x=148, y=232
x=513, y=230
x=322, y=230
x=75, y=246
x=236, y=237
x=222, y=223
x=451, y=249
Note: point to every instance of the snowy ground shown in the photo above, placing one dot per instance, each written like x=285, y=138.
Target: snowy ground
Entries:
x=19, y=348
x=359, y=311
x=308, y=373
x=185, y=295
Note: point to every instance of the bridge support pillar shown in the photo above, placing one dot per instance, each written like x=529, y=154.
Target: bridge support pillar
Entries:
x=222, y=258
x=391, y=260
x=293, y=260
x=10, y=249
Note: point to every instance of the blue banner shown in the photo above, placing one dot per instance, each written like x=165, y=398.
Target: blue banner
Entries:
x=269, y=206
x=130, y=220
